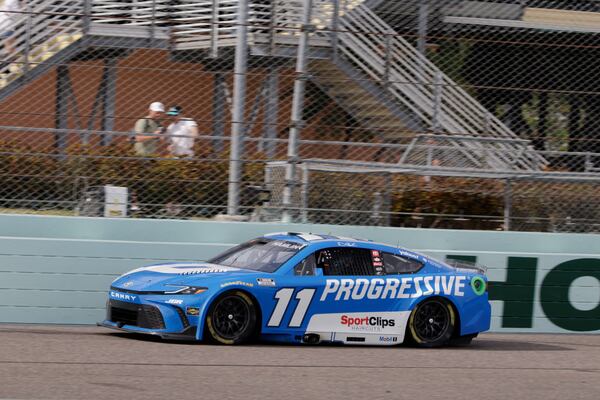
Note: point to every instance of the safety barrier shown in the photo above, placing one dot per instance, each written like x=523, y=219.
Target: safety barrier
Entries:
x=58, y=269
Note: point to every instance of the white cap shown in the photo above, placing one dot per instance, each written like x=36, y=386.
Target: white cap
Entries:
x=157, y=106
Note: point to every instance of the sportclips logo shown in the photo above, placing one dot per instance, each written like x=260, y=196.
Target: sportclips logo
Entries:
x=366, y=321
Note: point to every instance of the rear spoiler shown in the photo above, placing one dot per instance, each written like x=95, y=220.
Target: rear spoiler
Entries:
x=466, y=265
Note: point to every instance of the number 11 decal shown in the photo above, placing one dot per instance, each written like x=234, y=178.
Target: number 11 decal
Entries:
x=284, y=296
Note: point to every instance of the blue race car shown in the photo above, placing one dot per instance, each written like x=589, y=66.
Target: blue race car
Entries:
x=305, y=288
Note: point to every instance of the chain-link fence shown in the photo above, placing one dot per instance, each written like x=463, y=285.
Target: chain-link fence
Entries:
x=447, y=114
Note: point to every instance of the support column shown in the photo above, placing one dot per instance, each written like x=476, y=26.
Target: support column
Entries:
x=335, y=26
x=214, y=31
x=108, y=99
x=297, y=122
x=269, y=147
x=62, y=106
x=422, y=28
x=437, y=103
x=239, y=99
x=539, y=142
x=507, y=203
x=218, y=111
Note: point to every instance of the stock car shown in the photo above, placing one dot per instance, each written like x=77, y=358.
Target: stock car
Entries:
x=305, y=288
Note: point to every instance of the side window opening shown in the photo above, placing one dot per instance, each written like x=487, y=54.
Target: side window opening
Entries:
x=345, y=261
x=395, y=264
x=306, y=267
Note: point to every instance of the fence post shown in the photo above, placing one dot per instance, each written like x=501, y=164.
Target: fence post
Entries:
x=507, y=204
x=28, y=38
x=437, y=102
x=297, y=110
x=153, y=24
x=87, y=16
x=219, y=107
x=273, y=30
x=214, y=37
x=109, y=99
x=335, y=28
x=304, y=195
x=588, y=162
x=388, y=59
x=423, y=20
x=239, y=99
x=269, y=146
x=62, y=107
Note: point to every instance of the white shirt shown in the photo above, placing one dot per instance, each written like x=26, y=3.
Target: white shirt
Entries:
x=8, y=18
x=182, y=137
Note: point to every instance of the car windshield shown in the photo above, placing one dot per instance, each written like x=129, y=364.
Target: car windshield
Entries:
x=259, y=255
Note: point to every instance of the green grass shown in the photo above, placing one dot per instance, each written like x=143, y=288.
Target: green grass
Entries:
x=63, y=213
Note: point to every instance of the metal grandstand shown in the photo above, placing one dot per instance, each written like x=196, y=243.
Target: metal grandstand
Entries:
x=350, y=48
x=356, y=52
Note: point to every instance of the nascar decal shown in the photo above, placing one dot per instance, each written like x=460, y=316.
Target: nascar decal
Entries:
x=185, y=269
x=393, y=288
x=380, y=323
x=287, y=245
x=237, y=283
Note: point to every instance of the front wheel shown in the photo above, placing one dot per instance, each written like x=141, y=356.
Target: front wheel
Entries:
x=432, y=323
x=231, y=318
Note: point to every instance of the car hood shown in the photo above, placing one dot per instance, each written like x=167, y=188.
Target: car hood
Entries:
x=164, y=276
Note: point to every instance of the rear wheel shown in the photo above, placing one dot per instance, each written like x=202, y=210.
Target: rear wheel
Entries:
x=432, y=323
x=231, y=318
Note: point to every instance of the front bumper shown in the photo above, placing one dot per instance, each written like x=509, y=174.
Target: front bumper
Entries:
x=151, y=316
x=186, y=334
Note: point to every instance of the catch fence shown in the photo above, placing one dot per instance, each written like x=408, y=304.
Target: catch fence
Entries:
x=447, y=114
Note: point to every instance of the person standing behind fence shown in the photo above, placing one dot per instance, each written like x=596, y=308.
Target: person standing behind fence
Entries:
x=182, y=133
x=147, y=145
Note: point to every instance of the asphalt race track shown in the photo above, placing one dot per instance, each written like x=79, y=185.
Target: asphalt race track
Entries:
x=66, y=362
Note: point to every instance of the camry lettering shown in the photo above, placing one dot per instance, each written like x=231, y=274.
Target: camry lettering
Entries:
x=392, y=288
x=123, y=296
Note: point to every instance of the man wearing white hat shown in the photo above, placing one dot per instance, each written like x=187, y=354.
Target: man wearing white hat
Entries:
x=147, y=145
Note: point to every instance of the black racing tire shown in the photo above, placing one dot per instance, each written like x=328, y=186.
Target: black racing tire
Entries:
x=431, y=323
x=231, y=318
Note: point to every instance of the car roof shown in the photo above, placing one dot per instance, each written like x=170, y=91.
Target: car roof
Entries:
x=305, y=237
x=310, y=238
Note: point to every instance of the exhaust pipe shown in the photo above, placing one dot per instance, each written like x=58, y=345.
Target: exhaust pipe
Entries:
x=311, y=338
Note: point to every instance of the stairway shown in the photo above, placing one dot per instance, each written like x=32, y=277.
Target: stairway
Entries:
x=368, y=69
x=363, y=99
x=55, y=32
x=39, y=36
x=379, y=77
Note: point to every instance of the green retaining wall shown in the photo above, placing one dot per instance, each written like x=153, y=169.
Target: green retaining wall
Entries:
x=57, y=269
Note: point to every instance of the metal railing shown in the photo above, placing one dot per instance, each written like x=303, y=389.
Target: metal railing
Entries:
x=354, y=32
x=43, y=28
x=69, y=128
x=439, y=102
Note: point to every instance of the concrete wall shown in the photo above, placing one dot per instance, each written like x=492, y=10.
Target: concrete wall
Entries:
x=57, y=269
